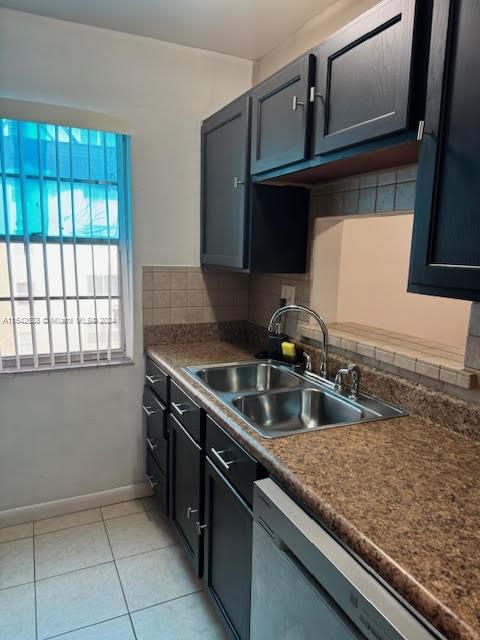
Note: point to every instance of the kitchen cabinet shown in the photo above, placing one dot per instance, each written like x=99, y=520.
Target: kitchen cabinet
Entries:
x=445, y=256
x=263, y=229
x=364, y=78
x=155, y=394
x=186, y=480
x=281, y=116
x=225, y=184
x=228, y=551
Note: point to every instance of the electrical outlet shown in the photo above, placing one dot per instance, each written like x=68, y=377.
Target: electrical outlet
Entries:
x=288, y=294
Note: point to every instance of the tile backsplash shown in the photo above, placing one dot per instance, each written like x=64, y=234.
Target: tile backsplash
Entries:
x=191, y=295
x=380, y=192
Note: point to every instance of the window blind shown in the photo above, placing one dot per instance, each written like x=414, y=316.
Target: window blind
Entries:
x=64, y=245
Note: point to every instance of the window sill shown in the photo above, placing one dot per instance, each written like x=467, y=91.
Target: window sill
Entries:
x=48, y=368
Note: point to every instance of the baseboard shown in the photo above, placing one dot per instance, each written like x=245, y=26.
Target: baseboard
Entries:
x=76, y=503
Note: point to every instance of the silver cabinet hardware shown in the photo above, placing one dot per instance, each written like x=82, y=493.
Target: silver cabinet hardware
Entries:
x=148, y=410
x=152, y=445
x=314, y=94
x=237, y=182
x=224, y=463
x=151, y=482
x=190, y=510
x=152, y=379
x=200, y=527
x=183, y=407
x=296, y=103
x=421, y=130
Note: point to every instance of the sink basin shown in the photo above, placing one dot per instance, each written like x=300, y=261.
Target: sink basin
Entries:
x=298, y=410
x=246, y=377
x=277, y=402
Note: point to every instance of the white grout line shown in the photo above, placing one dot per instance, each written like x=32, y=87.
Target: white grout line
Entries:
x=35, y=587
x=119, y=579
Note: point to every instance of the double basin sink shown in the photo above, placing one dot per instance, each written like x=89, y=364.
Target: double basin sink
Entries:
x=276, y=401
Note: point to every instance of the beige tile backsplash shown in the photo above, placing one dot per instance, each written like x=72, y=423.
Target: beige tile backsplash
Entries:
x=190, y=295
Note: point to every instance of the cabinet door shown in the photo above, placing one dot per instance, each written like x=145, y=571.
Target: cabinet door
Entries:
x=228, y=551
x=363, y=78
x=281, y=117
x=225, y=180
x=185, y=489
x=445, y=258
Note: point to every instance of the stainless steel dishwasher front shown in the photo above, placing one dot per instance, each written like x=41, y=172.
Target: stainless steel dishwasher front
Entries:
x=306, y=586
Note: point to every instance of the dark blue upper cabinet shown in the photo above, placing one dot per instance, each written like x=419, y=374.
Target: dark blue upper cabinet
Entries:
x=445, y=258
x=364, y=78
x=281, y=116
x=225, y=185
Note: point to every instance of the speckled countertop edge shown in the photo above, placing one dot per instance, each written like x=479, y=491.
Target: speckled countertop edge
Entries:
x=172, y=359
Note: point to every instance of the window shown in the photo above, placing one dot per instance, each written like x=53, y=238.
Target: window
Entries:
x=64, y=245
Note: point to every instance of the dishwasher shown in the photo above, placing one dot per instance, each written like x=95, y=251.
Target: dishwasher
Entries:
x=306, y=586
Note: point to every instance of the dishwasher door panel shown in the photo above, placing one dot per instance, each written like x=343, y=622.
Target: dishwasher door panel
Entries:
x=287, y=602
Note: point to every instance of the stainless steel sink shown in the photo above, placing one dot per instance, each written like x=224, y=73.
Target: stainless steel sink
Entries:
x=288, y=412
x=247, y=377
x=275, y=401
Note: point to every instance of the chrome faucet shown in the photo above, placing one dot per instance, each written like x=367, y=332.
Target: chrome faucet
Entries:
x=274, y=327
x=353, y=372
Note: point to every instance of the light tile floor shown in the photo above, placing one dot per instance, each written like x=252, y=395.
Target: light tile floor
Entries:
x=114, y=573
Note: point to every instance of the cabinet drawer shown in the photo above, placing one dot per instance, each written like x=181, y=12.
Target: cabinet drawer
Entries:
x=157, y=380
x=158, y=481
x=234, y=462
x=186, y=411
x=156, y=427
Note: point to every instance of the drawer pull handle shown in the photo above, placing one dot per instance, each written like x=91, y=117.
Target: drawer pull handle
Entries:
x=200, y=527
x=152, y=379
x=152, y=445
x=224, y=463
x=183, y=407
x=296, y=103
x=190, y=510
x=151, y=482
x=149, y=411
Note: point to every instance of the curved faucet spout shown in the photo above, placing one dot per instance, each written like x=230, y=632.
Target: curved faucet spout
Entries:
x=274, y=327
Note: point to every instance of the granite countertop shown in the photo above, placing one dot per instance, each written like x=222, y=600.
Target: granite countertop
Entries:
x=404, y=494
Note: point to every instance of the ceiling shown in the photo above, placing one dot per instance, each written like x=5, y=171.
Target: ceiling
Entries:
x=244, y=28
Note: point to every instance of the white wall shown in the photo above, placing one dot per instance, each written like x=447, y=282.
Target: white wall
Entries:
x=311, y=34
x=66, y=434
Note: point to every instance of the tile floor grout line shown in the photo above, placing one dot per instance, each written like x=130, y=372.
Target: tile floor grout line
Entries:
x=14, y=586
x=120, y=581
x=150, y=606
x=99, y=564
x=73, y=526
x=32, y=522
x=35, y=587
x=87, y=626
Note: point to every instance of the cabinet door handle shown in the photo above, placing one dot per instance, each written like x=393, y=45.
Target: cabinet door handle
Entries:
x=152, y=379
x=182, y=411
x=224, y=463
x=296, y=103
x=200, y=527
x=237, y=182
x=151, y=482
x=314, y=94
x=191, y=510
x=151, y=444
x=148, y=410
x=421, y=131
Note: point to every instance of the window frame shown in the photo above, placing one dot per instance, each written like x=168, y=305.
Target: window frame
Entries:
x=52, y=360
